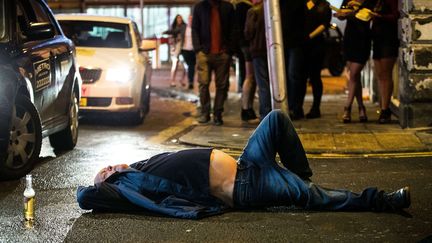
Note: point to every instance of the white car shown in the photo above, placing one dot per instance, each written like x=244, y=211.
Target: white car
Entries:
x=113, y=63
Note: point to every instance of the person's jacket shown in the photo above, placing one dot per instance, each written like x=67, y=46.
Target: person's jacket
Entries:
x=254, y=31
x=241, y=7
x=178, y=33
x=201, y=37
x=134, y=191
x=292, y=14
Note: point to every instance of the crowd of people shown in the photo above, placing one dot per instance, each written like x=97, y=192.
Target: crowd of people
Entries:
x=219, y=30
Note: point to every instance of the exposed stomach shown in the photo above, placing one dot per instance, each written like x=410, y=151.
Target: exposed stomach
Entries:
x=222, y=172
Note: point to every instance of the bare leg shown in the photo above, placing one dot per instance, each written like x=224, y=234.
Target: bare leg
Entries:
x=384, y=71
x=249, y=87
x=174, y=67
x=354, y=83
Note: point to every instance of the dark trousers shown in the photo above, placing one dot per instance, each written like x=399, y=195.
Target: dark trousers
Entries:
x=261, y=182
x=314, y=54
x=296, y=78
x=190, y=59
x=220, y=64
x=262, y=78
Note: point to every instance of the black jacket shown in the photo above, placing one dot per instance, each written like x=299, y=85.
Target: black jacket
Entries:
x=201, y=37
x=293, y=21
x=254, y=31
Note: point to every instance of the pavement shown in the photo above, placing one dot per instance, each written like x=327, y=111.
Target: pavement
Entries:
x=325, y=136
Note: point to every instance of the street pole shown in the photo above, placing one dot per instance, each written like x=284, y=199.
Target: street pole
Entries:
x=275, y=55
x=142, y=17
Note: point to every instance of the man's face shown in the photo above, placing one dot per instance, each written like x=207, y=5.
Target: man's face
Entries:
x=108, y=171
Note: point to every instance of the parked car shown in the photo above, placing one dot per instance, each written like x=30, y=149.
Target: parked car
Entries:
x=334, y=59
x=40, y=86
x=113, y=62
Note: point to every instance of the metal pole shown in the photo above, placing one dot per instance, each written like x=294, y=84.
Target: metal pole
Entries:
x=142, y=17
x=275, y=55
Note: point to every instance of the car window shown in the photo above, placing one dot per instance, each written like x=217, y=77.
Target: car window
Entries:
x=39, y=14
x=2, y=20
x=137, y=33
x=29, y=12
x=97, y=34
x=21, y=23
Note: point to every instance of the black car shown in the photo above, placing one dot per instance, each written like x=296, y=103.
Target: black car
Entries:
x=39, y=85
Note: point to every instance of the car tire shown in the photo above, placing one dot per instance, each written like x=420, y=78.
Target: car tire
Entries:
x=25, y=140
x=67, y=138
x=137, y=117
x=146, y=101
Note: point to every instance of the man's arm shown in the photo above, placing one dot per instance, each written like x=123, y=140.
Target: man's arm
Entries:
x=196, y=26
x=250, y=24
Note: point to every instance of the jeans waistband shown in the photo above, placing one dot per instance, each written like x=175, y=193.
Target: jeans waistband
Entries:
x=240, y=184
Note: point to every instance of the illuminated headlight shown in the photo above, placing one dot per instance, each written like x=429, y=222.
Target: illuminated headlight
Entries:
x=121, y=74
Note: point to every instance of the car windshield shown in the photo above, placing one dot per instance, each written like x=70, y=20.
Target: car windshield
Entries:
x=2, y=20
x=97, y=34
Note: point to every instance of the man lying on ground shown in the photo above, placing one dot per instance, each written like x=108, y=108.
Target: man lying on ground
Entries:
x=195, y=183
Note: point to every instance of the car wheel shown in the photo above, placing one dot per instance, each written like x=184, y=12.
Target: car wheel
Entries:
x=67, y=138
x=146, y=101
x=137, y=117
x=25, y=140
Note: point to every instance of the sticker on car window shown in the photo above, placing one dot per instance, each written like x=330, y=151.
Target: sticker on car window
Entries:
x=85, y=52
x=42, y=75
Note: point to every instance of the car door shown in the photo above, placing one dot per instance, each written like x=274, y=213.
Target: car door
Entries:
x=48, y=58
x=61, y=49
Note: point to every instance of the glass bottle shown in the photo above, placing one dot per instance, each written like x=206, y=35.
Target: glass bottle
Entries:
x=29, y=201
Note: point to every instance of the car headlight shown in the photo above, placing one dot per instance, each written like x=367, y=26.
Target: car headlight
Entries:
x=121, y=74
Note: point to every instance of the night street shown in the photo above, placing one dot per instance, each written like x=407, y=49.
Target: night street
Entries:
x=101, y=142
x=216, y=121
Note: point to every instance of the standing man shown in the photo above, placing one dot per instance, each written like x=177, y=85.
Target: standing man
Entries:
x=293, y=22
x=212, y=41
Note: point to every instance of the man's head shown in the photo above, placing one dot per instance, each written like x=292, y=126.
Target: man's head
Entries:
x=106, y=172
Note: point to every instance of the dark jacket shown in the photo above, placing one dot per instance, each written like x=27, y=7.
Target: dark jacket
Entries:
x=133, y=190
x=292, y=21
x=241, y=7
x=178, y=33
x=254, y=31
x=318, y=15
x=201, y=37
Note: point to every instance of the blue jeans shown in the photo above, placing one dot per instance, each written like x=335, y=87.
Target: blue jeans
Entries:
x=262, y=78
x=261, y=182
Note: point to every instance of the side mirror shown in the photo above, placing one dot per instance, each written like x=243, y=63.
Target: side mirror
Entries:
x=40, y=31
x=148, y=45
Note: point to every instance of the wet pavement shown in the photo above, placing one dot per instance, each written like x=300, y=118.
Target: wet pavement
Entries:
x=325, y=135
x=105, y=141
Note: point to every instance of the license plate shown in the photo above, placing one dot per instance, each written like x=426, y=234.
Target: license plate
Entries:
x=83, y=102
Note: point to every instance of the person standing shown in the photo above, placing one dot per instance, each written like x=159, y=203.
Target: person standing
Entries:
x=255, y=33
x=357, y=47
x=212, y=41
x=318, y=16
x=177, y=31
x=188, y=53
x=249, y=83
x=385, y=51
x=293, y=21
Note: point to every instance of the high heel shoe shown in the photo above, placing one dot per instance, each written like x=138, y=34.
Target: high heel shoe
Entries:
x=346, y=118
x=362, y=114
x=385, y=116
